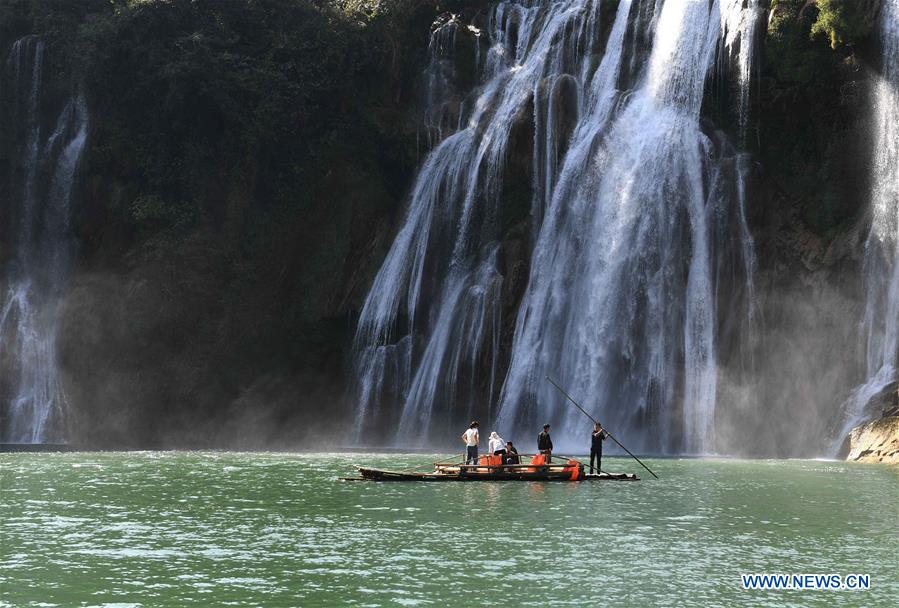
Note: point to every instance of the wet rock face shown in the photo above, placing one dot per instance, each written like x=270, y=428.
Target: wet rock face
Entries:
x=886, y=402
x=875, y=442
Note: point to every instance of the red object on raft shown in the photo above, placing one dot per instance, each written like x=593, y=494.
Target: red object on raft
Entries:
x=575, y=469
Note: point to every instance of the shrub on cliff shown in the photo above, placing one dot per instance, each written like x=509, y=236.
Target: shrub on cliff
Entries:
x=844, y=21
x=789, y=50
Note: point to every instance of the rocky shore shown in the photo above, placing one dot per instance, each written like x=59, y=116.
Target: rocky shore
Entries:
x=877, y=441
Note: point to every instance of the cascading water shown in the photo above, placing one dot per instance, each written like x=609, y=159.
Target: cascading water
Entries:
x=881, y=260
x=632, y=207
x=41, y=180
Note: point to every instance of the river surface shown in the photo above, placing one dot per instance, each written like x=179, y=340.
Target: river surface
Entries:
x=274, y=529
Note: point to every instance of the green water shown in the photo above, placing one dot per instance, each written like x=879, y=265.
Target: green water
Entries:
x=239, y=529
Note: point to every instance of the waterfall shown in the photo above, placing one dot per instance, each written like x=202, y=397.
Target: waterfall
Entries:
x=43, y=170
x=881, y=255
x=740, y=32
x=632, y=205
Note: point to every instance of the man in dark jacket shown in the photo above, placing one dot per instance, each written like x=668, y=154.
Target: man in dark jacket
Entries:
x=511, y=454
x=545, y=443
x=599, y=435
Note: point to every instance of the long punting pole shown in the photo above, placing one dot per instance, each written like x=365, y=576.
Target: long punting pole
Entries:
x=578, y=406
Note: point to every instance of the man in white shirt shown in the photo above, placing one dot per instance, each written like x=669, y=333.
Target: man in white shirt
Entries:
x=471, y=439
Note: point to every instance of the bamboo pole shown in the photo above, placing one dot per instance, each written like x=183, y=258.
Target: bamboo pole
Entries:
x=578, y=406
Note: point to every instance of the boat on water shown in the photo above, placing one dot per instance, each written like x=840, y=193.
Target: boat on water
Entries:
x=491, y=468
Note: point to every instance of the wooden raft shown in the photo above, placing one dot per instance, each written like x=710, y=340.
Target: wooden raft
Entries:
x=490, y=469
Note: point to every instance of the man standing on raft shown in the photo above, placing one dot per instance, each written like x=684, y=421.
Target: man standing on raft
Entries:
x=471, y=439
x=545, y=444
x=599, y=435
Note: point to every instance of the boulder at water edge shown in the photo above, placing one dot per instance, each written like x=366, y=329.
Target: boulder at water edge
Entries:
x=876, y=441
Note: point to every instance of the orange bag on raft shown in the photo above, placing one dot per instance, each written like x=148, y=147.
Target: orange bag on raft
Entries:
x=537, y=459
x=489, y=461
x=573, y=467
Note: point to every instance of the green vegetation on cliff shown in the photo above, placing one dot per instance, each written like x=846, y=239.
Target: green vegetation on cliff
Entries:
x=844, y=21
x=809, y=107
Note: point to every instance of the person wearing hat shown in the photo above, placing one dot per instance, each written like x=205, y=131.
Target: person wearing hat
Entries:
x=545, y=443
x=496, y=446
